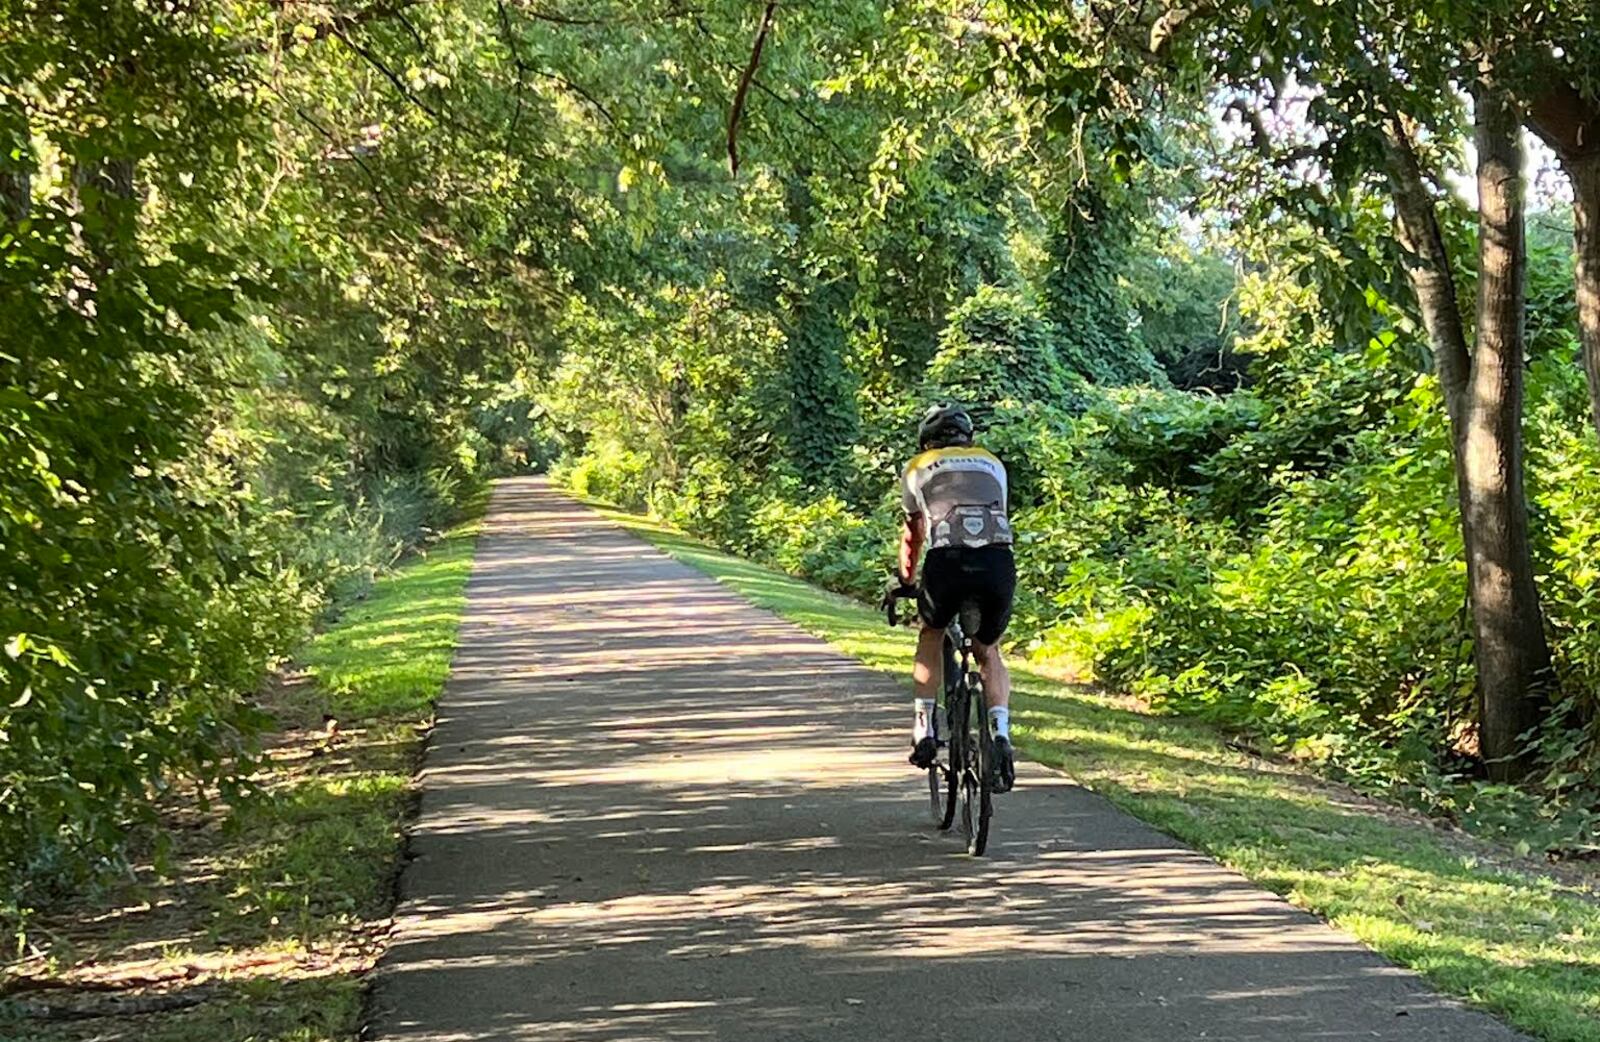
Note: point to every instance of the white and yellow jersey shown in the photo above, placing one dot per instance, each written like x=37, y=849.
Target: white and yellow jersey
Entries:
x=960, y=494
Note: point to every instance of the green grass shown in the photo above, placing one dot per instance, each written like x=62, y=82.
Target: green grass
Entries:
x=1478, y=921
x=325, y=843
x=298, y=876
x=387, y=657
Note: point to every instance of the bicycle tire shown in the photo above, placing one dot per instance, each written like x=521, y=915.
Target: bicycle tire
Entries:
x=942, y=804
x=978, y=840
x=960, y=753
x=976, y=805
x=941, y=797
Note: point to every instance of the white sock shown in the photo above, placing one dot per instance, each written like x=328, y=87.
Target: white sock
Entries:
x=922, y=725
x=1000, y=721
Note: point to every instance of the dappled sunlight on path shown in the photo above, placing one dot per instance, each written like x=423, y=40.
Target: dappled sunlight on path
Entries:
x=652, y=811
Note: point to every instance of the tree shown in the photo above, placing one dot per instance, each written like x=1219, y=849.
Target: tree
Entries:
x=1089, y=251
x=1560, y=96
x=998, y=347
x=1325, y=95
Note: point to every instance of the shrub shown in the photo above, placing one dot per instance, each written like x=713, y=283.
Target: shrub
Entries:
x=824, y=541
x=714, y=498
x=610, y=472
x=998, y=347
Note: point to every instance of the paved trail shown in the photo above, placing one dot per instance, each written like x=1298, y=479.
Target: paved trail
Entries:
x=651, y=811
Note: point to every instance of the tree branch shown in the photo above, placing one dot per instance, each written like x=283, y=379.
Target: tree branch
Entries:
x=524, y=69
x=1428, y=266
x=744, y=86
x=580, y=91
x=516, y=59
x=806, y=118
x=792, y=105
x=389, y=74
x=422, y=45
x=1566, y=120
x=377, y=187
x=1165, y=28
x=1261, y=138
x=336, y=22
x=562, y=18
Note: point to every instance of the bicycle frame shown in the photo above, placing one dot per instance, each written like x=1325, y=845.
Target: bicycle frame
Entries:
x=961, y=773
x=970, y=744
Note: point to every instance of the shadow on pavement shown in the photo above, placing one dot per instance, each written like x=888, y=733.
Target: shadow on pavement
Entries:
x=652, y=811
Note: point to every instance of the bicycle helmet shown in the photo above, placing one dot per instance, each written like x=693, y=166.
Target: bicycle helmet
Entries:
x=944, y=425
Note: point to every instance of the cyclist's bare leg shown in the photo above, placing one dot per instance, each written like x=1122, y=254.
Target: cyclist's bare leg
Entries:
x=997, y=693
x=996, y=677
x=927, y=676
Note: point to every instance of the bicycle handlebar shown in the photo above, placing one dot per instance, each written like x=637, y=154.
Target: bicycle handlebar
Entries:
x=897, y=589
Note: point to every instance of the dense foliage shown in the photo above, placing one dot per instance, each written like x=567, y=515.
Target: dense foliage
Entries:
x=236, y=376
x=1286, y=559
x=284, y=280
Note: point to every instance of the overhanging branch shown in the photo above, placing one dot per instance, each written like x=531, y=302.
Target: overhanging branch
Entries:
x=743, y=91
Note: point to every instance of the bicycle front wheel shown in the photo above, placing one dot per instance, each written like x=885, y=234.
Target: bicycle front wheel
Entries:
x=976, y=804
x=941, y=796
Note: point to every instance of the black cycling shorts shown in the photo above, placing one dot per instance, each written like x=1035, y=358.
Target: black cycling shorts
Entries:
x=983, y=576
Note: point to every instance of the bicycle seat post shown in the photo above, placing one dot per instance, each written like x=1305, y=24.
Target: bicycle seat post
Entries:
x=968, y=625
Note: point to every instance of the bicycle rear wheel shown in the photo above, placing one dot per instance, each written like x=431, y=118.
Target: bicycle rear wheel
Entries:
x=944, y=782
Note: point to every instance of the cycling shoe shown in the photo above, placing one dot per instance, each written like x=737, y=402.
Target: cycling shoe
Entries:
x=925, y=753
x=1002, y=767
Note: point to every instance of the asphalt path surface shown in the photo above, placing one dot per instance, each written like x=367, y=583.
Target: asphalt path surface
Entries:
x=653, y=811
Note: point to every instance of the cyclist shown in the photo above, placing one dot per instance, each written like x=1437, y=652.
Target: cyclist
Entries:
x=954, y=495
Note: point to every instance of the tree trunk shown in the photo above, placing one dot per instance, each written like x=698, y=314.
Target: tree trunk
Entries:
x=1513, y=658
x=113, y=183
x=1569, y=123
x=16, y=164
x=1585, y=176
x=113, y=178
x=1483, y=396
x=16, y=195
x=1427, y=263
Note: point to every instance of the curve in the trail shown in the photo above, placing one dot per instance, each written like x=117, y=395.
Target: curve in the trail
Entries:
x=653, y=811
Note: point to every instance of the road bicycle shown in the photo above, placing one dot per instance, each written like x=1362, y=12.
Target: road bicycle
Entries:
x=959, y=779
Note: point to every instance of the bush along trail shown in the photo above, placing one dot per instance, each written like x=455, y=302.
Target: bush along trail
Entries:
x=258, y=920
x=1479, y=919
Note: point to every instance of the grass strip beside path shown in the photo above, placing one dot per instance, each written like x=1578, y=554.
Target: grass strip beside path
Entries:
x=274, y=910
x=1478, y=921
